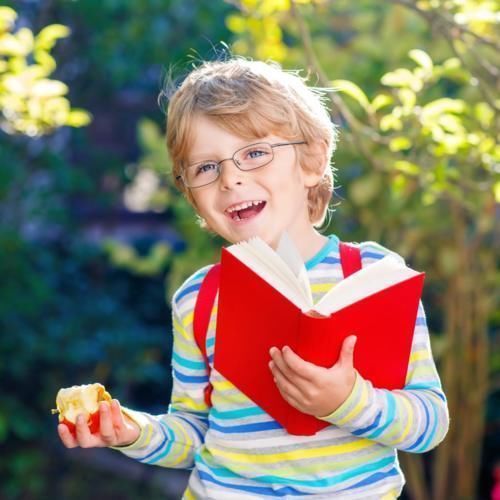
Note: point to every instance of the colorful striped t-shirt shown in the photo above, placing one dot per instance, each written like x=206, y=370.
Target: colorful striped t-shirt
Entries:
x=237, y=451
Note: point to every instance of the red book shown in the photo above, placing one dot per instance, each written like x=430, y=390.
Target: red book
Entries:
x=253, y=316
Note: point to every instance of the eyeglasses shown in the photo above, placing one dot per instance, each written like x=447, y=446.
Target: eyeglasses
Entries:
x=250, y=157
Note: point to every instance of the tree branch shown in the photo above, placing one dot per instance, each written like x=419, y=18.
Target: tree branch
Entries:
x=314, y=65
x=436, y=15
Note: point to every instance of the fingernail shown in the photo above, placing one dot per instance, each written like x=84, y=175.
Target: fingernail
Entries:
x=103, y=406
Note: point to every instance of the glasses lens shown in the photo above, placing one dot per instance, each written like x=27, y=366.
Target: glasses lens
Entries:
x=254, y=156
x=202, y=173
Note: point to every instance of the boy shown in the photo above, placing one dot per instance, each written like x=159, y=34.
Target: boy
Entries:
x=251, y=146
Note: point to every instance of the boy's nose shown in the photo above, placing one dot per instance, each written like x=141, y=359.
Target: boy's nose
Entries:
x=230, y=174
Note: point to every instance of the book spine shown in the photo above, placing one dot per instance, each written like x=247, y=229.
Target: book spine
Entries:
x=310, y=335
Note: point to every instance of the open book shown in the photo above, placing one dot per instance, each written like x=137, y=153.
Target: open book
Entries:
x=265, y=300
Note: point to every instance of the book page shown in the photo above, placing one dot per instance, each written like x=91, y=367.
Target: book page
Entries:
x=291, y=256
x=371, y=279
x=266, y=263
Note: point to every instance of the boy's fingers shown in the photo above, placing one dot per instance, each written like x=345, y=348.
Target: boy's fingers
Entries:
x=306, y=370
x=347, y=351
x=83, y=435
x=280, y=363
x=106, y=427
x=66, y=437
x=116, y=414
x=286, y=387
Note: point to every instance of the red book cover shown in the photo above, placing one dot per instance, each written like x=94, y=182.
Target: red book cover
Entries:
x=253, y=316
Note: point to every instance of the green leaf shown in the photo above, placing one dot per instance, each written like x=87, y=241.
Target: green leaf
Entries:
x=402, y=77
x=149, y=135
x=444, y=105
x=380, y=101
x=47, y=38
x=235, y=23
x=496, y=190
x=78, y=118
x=399, y=143
x=49, y=88
x=26, y=39
x=451, y=123
x=45, y=61
x=407, y=167
x=484, y=114
x=11, y=46
x=7, y=18
x=408, y=99
x=390, y=122
x=422, y=58
x=352, y=90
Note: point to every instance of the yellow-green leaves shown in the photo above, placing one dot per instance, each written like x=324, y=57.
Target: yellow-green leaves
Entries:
x=423, y=59
x=352, y=90
x=49, y=35
x=399, y=143
x=126, y=257
x=402, y=77
x=258, y=28
x=30, y=102
x=363, y=190
x=7, y=18
x=496, y=190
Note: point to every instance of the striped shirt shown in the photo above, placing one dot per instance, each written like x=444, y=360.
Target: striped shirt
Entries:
x=237, y=451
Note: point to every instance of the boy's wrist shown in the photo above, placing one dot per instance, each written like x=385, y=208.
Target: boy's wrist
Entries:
x=352, y=404
x=140, y=422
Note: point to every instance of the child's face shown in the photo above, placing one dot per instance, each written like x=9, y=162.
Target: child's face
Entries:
x=282, y=186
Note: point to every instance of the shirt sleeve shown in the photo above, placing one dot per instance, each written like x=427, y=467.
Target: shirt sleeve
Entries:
x=415, y=418
x=172, y=439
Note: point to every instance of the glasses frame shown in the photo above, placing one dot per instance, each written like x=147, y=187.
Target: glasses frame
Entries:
x=219, y=163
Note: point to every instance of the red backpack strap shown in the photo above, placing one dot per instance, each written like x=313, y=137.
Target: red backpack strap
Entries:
x=350, y=258
x=201, y=318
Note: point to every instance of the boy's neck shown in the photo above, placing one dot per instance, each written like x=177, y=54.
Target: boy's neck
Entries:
x=308, y=245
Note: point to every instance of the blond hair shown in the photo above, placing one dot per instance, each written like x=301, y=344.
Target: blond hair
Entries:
x=253, y=99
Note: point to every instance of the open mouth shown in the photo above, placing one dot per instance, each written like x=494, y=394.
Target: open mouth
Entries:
x=246, y=210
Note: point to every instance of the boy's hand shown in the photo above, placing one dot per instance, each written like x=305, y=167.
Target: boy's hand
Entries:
x=116, y=429
x=310, y=388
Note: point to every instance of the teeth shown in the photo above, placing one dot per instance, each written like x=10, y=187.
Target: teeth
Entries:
x=241, y=206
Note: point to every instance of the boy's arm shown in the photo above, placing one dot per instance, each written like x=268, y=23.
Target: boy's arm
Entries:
x=172, y=439
x=414, y=419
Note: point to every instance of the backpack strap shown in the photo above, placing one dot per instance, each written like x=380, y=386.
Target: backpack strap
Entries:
x=201, y=318
x=350, y=260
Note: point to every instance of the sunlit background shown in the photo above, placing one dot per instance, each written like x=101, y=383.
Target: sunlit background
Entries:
x=94, y=238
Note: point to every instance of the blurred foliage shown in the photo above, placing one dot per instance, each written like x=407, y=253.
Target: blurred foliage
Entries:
x=71, y=311
x=30, y=102
x=68, y=317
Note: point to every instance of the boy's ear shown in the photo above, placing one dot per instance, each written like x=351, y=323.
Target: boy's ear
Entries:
x=314, y=163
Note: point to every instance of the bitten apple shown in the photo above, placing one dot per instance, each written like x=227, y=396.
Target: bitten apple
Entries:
x=81, y=399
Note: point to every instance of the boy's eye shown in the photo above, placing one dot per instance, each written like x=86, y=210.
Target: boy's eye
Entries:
x=207, y=167
x=252, y=154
